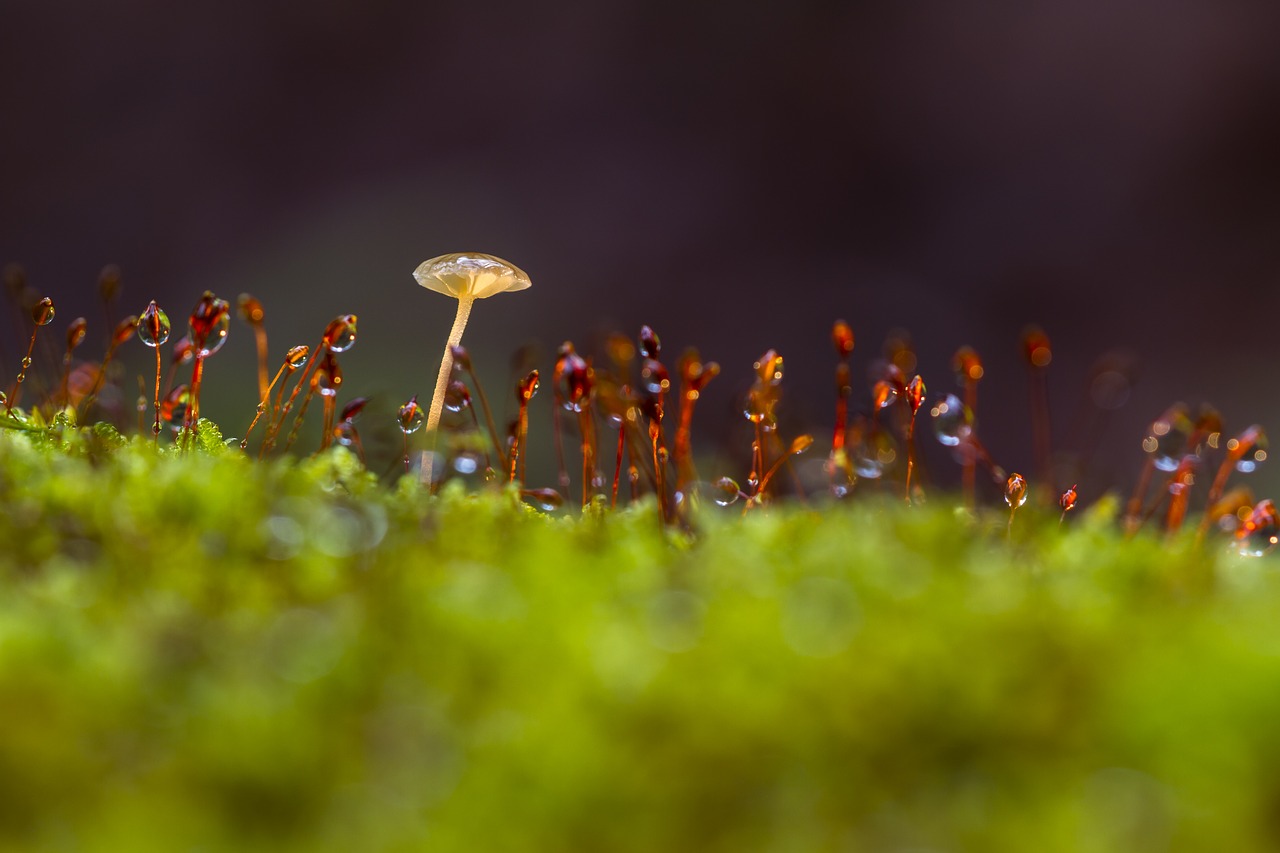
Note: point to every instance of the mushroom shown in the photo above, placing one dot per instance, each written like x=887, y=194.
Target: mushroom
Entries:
x=466, y=276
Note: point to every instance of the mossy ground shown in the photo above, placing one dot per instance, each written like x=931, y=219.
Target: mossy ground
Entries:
x=200, y=652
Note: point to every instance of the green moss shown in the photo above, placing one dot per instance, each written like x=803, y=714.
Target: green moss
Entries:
x=201, y=652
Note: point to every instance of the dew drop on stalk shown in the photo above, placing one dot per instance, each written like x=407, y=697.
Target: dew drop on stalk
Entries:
x=456, y=397
x=410, y=417
x=1249, y=449
x=915, y=393
x=210, y=321
x=545, y=499
x=297, y=357
x=42, y=314
x=345, y=434
x=527, y=388
x=1068, y=500
x=872, y=451
x=153, y=326
x=650, y=344
x=328, y=377
x=1167, y=438
x=173, y=409
x=654, y=377
x=884, y=394
x=952, y=421
x=1260, y=531
x=1015, y=491
x=726, y=491
x=574, y=380
x=769, y=368
x=340, y=334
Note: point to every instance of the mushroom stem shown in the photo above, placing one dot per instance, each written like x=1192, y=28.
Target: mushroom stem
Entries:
x=442, y=381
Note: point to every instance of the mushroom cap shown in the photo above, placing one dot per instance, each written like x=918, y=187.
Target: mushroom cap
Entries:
x=470, y=274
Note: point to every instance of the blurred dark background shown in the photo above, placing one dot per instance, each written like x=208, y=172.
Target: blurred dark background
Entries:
x=736, y=175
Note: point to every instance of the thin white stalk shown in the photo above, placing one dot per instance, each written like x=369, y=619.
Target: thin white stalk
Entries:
x=442, y=383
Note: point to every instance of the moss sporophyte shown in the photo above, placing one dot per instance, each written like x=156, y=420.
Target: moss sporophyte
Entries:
x=207, y=644
x=630, y=389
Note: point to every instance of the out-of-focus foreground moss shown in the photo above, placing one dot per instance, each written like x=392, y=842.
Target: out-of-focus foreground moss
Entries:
x=201, y=652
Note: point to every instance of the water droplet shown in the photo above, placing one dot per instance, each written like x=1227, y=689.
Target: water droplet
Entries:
x=883, y=394
x=1015, y=491
x=1068, y=499
x=1249, y=449
x=769, y=368
x=654, y=377
x=726, y=491
x=574, y=378
x=526, y=388
x=76, y=332
x=42, y=314
x=328, y=376
x=842, y=338
x=297, y=357
x=340, y=334
x=173, y=409
x=153, y=326
x=1260, y=531
x=345, y=433
x=410, y=417
x=547, y=500
x=250, y=310
x=456, y=397
x=915, y=393
x=800, y=444
x=695, y=374
x=872, y=452
x=952, y=421
x=209, y=323
x=650, y=344
x=1168, y=437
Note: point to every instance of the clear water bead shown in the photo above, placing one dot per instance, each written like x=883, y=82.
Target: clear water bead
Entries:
x=153, y=326
x=952, y=421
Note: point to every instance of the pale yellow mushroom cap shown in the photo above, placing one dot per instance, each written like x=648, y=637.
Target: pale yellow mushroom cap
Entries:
x=470, y=274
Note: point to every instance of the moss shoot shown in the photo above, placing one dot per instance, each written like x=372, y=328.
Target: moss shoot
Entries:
x=203, y=652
